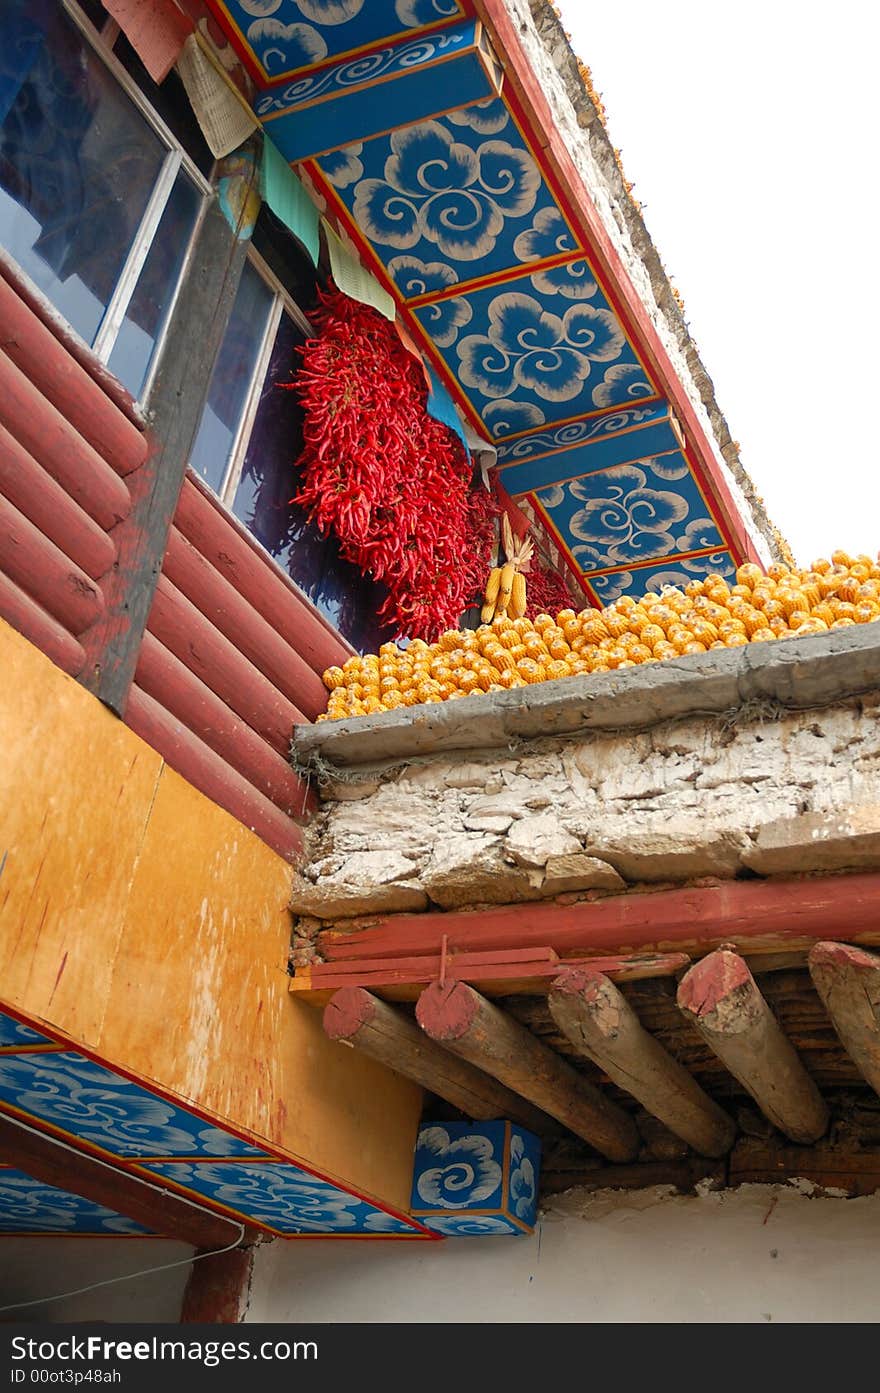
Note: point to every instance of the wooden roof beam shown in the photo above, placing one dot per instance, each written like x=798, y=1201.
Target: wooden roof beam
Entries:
x=599, y=1021
x=848, y=981
x=457, y=1017
x=355, y=1017
x=720, y=997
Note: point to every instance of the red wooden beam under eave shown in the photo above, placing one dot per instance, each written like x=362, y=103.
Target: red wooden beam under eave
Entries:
x=524, y=91
x=756, y=915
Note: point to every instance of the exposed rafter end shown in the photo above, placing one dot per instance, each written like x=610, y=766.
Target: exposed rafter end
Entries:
x=355, y=1017
x=453, y=1015
x=720, y=997
x=848, y=981
x=601, y=1024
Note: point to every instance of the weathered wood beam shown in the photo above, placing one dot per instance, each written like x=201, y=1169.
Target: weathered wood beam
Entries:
x=720, y=997
x=74, y=1171
x=757, y=916
x=517, y=972
x=848, y=981
x=601, y=1024
x=355, y=1017
x=454, y=1015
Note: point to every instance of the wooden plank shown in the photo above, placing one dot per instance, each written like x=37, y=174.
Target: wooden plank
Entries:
x=42, y=430
x=237, y=619
x=721, y=999
x=848, y=981
x=853, y=1168
x=211, y=774
x=757, y=916
x=601, y=1024
x=51, y=509
x=186, y=697
x=198, y=323
x=224, y=542
x=457, y=1017
x=31, y=620
x=192, y=638
x=73, y=391
x=355, y=1017
x=490, y=973
x=40, y=568
x=72, y=344
x=74, y=1171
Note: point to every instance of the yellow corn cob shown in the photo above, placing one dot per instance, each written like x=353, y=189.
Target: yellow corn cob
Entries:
x=492, y=585
x=518, y=595
x=505, y=587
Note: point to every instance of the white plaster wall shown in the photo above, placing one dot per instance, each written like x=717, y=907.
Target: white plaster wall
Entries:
x=37, y=1267
x=760, y=1253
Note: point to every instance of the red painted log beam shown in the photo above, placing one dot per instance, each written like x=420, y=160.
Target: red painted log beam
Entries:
x=51, y=509
x=169, y=682
x=70, y=342
x=223, y=542
x=210, y=773
x=237, y=619
x=758, y=916
x=52, y=369
x=524, y=93
x=193, y=639
x=60, y=449
x=31, y=620
x=41, y=569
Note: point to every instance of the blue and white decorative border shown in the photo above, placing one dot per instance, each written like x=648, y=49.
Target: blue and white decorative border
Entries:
x=66, y=1093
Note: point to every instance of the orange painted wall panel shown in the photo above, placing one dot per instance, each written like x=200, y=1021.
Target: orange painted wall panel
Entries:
x=149, y=926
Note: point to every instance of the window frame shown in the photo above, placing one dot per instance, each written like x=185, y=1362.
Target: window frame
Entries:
x=176, y=160
x=283, y=302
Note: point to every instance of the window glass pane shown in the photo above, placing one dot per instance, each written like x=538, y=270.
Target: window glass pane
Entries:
x=262, y=502
x=77, y=161
x=232, y=376
x=149, y=305
x=171, y=103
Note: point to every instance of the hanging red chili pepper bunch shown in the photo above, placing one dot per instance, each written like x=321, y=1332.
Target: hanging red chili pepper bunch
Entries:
x=393, y=484
x=546, y=592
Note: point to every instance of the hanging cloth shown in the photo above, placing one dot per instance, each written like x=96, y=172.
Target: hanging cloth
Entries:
x=224, y=116
x=288, y=199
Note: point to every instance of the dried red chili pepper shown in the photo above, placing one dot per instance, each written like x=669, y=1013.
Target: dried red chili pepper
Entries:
x=393, y=484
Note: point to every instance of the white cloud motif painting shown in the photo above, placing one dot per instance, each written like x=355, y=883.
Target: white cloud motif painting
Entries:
x=466, y=1172
x=438, y=189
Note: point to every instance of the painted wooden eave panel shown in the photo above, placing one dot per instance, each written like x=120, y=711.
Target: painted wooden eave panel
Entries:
x=478, y=224
x=141, y=923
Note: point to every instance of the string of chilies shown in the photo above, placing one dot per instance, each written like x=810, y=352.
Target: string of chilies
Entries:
x=389, y=481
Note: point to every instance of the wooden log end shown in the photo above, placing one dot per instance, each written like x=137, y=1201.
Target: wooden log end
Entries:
x=578, y=981
x=832, y=955
x=445, y=1011
x=347, y=1012
x=710, y=981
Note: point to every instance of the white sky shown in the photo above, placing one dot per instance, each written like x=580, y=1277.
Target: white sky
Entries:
x=750, y=133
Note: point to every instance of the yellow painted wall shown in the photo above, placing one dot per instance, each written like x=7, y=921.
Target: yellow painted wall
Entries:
x=142, y=921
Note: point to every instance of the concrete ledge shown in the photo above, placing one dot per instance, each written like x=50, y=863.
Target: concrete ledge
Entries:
x=798, y=674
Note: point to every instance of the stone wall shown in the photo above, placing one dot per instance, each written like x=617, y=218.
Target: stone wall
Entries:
x=712, y=791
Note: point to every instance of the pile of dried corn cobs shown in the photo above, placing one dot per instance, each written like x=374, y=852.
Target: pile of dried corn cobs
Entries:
x=516, y=652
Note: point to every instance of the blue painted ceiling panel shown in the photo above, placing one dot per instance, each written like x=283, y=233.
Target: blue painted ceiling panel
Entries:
x=284, y=36
x=630, y=513
x=636, y=581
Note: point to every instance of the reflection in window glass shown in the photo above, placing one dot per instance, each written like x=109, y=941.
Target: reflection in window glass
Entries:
x=78, y=162
x=262, y=502
x=149, y=305
x=232, y=377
